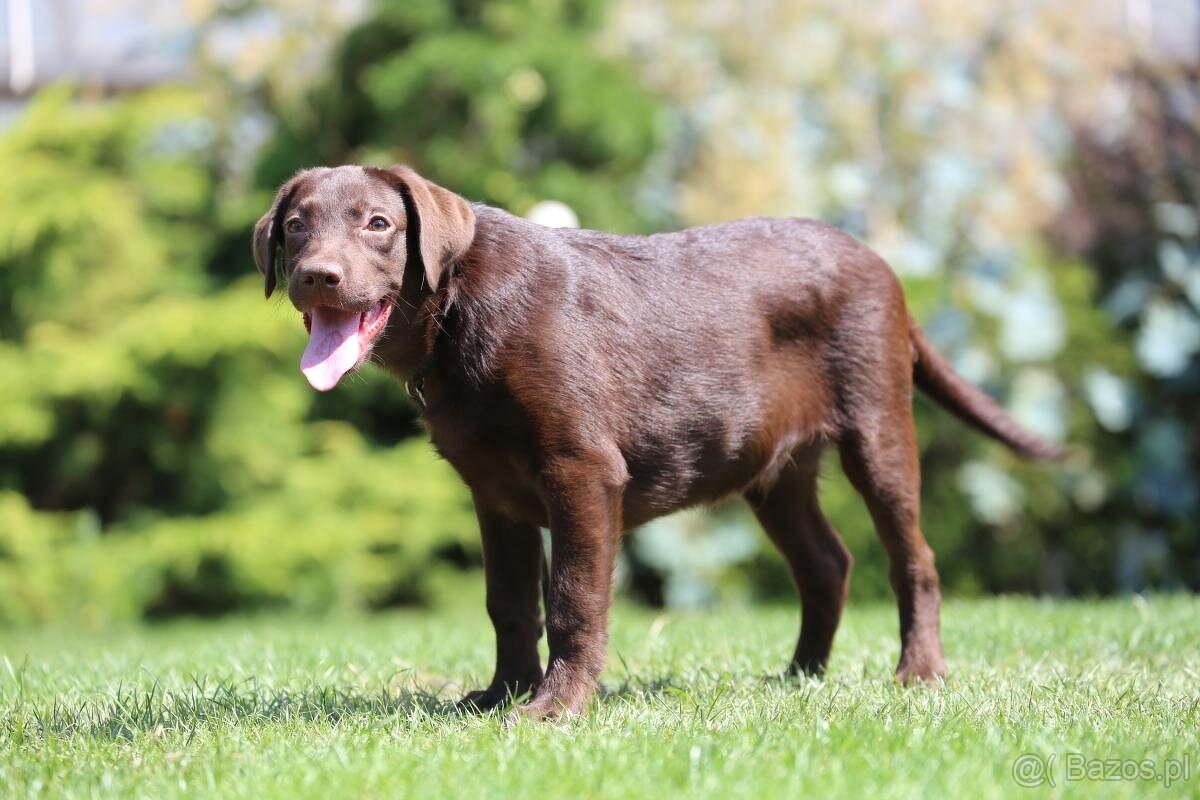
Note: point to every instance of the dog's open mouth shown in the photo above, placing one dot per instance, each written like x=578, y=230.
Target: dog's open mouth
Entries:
x=339, y=340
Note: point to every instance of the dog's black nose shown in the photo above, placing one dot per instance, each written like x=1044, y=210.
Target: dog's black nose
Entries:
x=321, y=275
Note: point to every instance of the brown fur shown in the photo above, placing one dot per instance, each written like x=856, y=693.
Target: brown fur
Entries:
x=589, y=383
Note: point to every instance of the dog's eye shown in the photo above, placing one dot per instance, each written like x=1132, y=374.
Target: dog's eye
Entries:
x=295, y=226
x=378, y=224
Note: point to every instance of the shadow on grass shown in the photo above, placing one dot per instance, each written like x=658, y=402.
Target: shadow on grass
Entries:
x=131, y=711
x=713, y=683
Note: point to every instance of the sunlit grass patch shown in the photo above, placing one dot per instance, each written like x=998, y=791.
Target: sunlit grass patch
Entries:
x=692, y=705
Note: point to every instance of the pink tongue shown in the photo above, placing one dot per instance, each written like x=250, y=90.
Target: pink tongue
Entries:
x=333, y=347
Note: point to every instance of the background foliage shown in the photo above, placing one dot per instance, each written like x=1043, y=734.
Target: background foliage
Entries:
x=1031, y=175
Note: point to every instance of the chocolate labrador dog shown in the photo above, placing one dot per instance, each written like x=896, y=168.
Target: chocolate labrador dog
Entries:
x=588, y=383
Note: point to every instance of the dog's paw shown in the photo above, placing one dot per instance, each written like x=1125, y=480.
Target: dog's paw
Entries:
x=921, y=670
x=548, y=708
x=483, y=701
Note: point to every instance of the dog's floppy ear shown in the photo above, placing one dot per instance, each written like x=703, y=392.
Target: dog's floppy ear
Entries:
x=441, y=224
x=268, y=233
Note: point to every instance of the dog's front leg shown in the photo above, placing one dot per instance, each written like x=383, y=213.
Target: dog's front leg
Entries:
x=512, y=563
x=583, y=498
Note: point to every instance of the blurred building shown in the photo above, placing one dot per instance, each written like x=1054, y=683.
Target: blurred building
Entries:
x=109, y=43
x=109, y=46
x=1168, y=28
x=105, y=45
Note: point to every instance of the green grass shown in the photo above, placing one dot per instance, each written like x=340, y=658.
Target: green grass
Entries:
x=693, y=706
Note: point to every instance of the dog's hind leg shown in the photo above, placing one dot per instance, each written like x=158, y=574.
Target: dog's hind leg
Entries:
x=819, y=562
x=880, y=459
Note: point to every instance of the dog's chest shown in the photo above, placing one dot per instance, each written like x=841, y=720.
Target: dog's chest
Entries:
x=494, y=455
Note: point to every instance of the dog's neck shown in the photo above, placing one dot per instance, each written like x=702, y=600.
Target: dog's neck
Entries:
x=456, y=334
x=407, y=345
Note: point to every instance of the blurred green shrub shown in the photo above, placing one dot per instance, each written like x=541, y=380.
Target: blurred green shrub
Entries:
x=351, y=526
x=159, y=454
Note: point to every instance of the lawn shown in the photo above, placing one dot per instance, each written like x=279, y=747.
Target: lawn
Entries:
x=692, y=705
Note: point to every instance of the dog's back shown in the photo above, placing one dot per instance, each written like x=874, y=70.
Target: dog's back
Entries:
x=706, y=356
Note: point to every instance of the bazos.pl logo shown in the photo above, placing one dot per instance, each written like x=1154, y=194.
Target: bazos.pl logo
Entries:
x=1032, y=770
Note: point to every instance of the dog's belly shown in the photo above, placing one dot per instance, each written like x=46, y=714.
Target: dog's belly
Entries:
x=689, y=470
x=704, y=447
x=664, y=479
x=676, y=456
x=665, y=475
x=653, y=490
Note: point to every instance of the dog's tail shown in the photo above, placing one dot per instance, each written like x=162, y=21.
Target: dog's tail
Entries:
x=934, y=376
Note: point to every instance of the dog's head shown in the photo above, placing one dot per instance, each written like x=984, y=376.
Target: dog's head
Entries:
x=349, y=236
